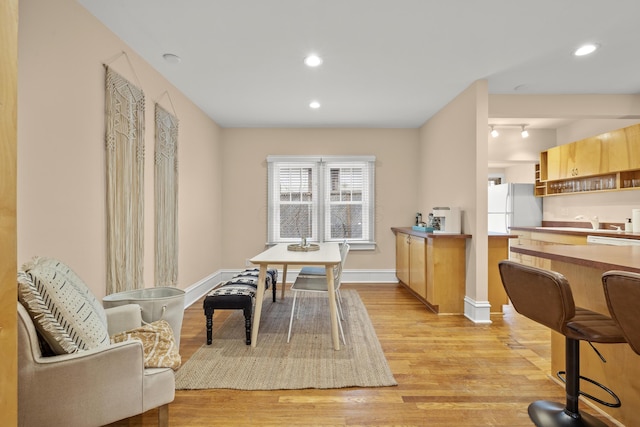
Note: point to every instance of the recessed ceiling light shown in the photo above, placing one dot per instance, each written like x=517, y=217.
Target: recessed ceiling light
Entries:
x=171, y=58
x=585, y=49
x=314, y=105
x=313, y=60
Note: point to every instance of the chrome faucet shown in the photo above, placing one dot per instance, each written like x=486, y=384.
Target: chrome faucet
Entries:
x=595, y=222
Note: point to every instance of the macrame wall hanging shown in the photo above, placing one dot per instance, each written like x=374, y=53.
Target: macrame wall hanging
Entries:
x=125, y=183
x=166, y=198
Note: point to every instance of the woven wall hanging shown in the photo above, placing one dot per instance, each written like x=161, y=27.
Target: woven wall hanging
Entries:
x=124, y=114
x=166, y=198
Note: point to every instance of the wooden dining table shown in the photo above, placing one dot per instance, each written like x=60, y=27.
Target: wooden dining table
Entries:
x=327, y=255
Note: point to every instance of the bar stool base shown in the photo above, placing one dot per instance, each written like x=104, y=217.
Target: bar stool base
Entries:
x=551, y=414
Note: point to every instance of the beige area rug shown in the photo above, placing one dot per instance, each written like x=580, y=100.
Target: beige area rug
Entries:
x=307, y=361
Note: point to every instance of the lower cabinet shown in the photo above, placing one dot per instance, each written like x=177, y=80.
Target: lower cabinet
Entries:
x=410, y=262
x=498, y=250
x=433, y=268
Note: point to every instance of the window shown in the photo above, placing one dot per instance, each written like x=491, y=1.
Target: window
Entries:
x=325, y=199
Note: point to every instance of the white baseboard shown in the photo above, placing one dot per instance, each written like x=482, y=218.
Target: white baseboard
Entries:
x=369, y=276
x=477, y=311
x=196, y=291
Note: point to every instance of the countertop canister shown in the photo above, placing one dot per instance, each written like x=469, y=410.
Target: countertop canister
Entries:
x=635, y=220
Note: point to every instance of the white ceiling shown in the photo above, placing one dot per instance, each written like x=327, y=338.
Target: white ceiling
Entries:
x=386, y=63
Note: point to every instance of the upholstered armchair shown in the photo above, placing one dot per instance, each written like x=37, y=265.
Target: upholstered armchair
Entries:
x=92, y=387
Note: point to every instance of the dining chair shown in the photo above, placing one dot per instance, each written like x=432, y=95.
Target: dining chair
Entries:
x=318, y=271
x=318, y=284
x=313, y=271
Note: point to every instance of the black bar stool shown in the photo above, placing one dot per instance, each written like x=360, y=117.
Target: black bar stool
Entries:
x=545, y=297
x=622, y=291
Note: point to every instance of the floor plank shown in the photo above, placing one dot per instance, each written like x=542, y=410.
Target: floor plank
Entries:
x=450, y=372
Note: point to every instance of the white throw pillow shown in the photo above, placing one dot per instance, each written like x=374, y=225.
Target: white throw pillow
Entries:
x=65, y=312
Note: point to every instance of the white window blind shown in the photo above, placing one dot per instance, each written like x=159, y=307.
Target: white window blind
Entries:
x=321, y=198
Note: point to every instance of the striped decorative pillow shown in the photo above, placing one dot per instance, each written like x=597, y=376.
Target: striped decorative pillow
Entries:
x=64, y=310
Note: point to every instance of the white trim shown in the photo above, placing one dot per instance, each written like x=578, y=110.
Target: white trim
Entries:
x=369, y=276
x=477, y=311
x=318, y=185
x=317, y=158
x=196, y=291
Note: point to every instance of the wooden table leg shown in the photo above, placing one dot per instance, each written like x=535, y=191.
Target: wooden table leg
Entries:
x=258, y=309
x=332, y=307
x=284, y=281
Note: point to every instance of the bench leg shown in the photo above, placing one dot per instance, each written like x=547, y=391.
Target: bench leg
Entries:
x=208, y=312
x=247, y=323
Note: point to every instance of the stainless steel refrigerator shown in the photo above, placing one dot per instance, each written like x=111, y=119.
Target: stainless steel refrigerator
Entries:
x=512, y=205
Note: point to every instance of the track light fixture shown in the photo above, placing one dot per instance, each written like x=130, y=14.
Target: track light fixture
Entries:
x=523, y=129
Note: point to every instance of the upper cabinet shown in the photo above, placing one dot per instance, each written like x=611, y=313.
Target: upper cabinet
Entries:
x=604, y=162
x=622, y=149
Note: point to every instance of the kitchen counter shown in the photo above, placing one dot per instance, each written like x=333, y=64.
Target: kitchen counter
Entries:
x=498, y=249
x=410, y=231
x=432, y=266
x=583, y=266
x=579, y=231
x=603, y=257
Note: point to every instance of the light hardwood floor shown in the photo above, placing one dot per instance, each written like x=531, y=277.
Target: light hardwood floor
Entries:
x=450, y=372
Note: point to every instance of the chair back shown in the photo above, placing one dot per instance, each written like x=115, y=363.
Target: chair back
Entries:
x=622, y=292
x=337, y=272
x=541, y=295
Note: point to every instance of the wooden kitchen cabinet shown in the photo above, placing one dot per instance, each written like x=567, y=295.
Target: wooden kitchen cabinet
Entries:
x=433, y=267
x=550, y=164
x=402, y=257
x=498, y=251
x=410, y=262
x=621, y=149
x=576, y=159
x=583, y=158
x=606, y=162
x=632, y=134
x=446, y=273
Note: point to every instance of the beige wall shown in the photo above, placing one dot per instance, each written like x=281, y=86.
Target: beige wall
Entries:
x=564, y=106
x=244, y=172
x=61, y=158
x=509, y=146
x=589, y=127
x=453, y=158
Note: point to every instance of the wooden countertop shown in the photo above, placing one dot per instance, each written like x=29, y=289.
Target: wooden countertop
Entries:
x=494, y=235
x=575, y=231
x=603, y=257
x=412, y=232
